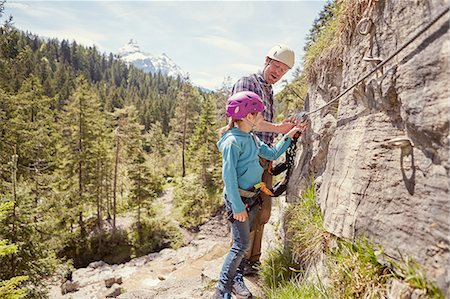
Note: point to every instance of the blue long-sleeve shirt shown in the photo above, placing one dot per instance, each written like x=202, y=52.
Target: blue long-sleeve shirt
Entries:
x=240, y=162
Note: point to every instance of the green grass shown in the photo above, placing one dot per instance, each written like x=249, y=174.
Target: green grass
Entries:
x=282, y=271
x=294, y=289
x=334, y=36
x=355, y=271
x=326, y=48
x=306, y=234
x=278, y=268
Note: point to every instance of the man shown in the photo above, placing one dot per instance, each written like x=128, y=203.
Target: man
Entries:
x=279, y=60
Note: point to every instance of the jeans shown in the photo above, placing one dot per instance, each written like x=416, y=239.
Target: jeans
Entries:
x=233, y=266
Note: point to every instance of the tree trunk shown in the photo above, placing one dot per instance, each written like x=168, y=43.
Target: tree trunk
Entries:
x=183, y=167
x=99, y=197
x=83, y=233
x=14, y=228
x=108, y=198
x=80, y=151
x=116, y=165
x=139, y=199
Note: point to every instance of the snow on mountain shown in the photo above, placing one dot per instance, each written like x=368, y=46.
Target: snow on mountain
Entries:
x=131, y=54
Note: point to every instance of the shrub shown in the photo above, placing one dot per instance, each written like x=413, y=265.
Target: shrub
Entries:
x=101, y=245
x=155, y=234
x=194, y=202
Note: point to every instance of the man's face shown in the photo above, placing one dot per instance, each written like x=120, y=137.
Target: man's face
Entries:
x=274, y=70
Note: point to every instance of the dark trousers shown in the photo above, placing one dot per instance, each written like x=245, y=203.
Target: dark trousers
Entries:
x=262, y=217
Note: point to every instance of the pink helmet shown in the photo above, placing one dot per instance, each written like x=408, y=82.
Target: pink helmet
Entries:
x=242, y=103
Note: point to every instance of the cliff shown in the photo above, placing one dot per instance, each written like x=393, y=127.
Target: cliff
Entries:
x=381, y=159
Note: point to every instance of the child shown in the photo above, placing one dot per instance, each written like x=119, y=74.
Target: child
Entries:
x=240, y=150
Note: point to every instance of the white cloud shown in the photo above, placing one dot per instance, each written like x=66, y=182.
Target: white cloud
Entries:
x=225, y=44
x=87, y=38
x=211, y=83
x=244, y=67
x=35, y=10
x=17, y=5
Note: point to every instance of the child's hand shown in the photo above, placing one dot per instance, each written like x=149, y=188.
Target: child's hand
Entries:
x=242, y=216
x=295, y=129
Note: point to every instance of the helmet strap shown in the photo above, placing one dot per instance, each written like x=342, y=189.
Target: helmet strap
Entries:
x=251, y=122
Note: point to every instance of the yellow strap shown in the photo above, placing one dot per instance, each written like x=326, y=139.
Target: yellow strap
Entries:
x=264, y=189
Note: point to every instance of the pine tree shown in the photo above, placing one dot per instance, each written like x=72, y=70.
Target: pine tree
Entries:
x=83, y=130
x=203, y=153
x=144, y=186
x=127, y=144
x=10, y=288
x=31, y=257
x=183, y=122
x=9, y=37
x=222, y=96
x=325, y=15
x=156, y=141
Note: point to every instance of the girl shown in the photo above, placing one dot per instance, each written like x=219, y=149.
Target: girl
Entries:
x=240, y=150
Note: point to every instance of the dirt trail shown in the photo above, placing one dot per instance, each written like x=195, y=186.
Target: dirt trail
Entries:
x=188, y=272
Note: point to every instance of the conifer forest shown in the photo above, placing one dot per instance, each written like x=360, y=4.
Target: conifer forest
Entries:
x=84, y=137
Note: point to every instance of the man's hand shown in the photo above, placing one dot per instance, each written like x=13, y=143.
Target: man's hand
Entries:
x=242, y=216
x=291, y=119
x=284, y=127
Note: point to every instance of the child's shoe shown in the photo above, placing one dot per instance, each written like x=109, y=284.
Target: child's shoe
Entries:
x=240, y=290
x=218, y=294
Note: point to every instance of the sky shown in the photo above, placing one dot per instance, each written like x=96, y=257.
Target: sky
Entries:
x=210, y=40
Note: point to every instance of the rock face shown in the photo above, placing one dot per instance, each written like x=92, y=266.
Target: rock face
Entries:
x=394, y=191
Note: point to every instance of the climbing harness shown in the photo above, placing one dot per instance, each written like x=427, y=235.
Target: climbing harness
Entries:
x=250, y=204
x=413, y=38
x=251, y=198
x=255, y=191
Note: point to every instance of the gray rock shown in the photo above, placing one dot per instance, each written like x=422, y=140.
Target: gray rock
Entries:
x=116, y=291
x=399, y=290
x=69, y=287
x=109, y=282
x=98, y=264
x=138, y=294
x=397, y=196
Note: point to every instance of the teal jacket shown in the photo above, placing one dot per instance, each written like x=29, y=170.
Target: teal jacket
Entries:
x=240, y=162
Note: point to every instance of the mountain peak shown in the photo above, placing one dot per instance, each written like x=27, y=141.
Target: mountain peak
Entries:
x=131, y=54
x=131, y=47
